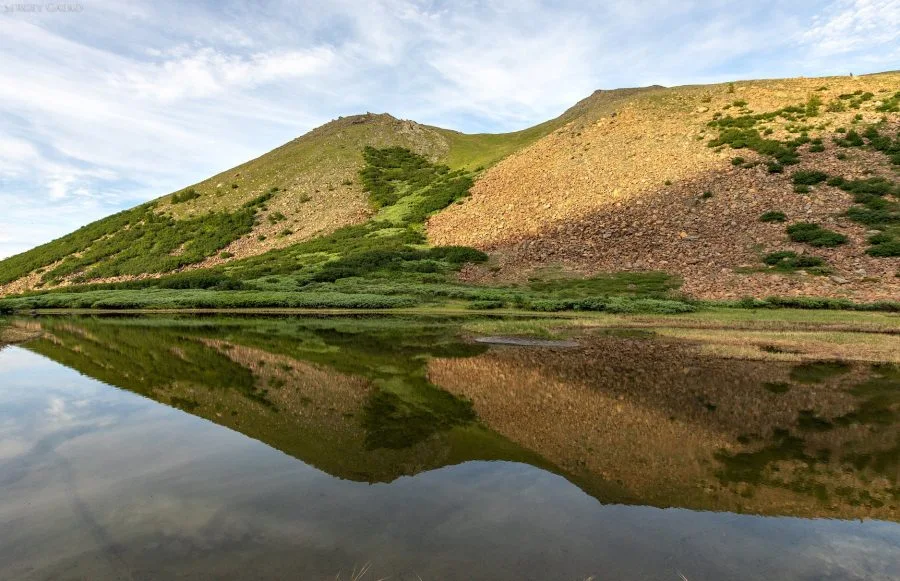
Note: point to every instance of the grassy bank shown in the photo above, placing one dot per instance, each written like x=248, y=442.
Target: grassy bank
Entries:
x=623, y=293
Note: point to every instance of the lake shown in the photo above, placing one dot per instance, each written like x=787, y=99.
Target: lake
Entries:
x=290, y=447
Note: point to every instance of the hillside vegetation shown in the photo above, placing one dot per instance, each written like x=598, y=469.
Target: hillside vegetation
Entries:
x=785, y=188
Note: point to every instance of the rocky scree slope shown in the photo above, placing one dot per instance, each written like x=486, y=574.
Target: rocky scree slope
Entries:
x=641, y=189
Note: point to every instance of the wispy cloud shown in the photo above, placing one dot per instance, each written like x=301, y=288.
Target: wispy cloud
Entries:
x=126, y=100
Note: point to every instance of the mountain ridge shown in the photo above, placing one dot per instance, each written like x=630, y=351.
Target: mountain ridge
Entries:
x=621, y=180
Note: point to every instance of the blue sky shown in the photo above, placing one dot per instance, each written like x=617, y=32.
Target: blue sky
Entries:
x=107, y=104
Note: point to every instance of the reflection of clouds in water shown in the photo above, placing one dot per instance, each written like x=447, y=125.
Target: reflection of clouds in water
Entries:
x=851, y=556
x=56, y=411
x=15, y=359
x=169, y=494
x=12, y=447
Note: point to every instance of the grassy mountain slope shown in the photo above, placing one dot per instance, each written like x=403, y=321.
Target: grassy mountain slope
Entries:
x=642, y=189
x=306, y=188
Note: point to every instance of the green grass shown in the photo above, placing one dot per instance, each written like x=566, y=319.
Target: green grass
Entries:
x=483, y=150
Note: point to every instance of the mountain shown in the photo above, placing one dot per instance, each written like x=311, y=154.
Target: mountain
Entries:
x=755, y=188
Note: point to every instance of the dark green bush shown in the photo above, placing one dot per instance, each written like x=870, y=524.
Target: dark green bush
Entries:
x=457, y=254
x=259, y=200
x=815, y=235
x=808, y=177
x=850, y=139
x=788, y=260
x=773, y=216
x=885, y=249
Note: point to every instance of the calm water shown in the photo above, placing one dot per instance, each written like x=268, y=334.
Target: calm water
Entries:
x=302, y=448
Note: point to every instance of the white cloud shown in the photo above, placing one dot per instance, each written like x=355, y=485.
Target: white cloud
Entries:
x=206, y=72
x=852, y=25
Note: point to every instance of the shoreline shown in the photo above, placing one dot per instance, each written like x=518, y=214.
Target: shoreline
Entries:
x=709, y=318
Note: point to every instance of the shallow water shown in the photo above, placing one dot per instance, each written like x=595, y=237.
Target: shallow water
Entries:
x=304, y=448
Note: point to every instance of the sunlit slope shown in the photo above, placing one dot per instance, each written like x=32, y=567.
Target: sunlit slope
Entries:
x=640, y=188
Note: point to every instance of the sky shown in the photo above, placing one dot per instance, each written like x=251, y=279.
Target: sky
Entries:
x=104, y=105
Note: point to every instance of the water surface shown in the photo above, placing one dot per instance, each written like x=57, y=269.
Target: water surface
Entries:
x=302, y=448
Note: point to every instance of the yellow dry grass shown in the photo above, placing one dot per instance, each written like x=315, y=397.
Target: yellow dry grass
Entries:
x=791, y=345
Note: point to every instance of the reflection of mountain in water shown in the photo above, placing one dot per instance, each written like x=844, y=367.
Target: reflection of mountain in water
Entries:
x=677, y=428
x=629, y=419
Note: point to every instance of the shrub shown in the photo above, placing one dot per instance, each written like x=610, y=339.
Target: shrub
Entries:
x=812, y=105
x=808, y=177
x=885, y=249
x=815, y=235
x=850, y=139
x=801, y=189
x=876, y=186
x=259, y=200
x=276, y=217
x=891, y=104
x=788, y=260
x=155, y=243
x=457, y=254
x=184, y=196
x=773, y=216
x=737, y=161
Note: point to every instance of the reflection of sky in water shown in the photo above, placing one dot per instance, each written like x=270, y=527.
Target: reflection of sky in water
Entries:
x=97, y=482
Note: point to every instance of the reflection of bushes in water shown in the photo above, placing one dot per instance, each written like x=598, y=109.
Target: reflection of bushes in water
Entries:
x=131, y=358
x=750, y=467
x=878, y=405
x=778, y=387
x=808, y=421
x=393, y=353
x=880, y=395
x=183, y=403
x=394, y=422
x=818, y=371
